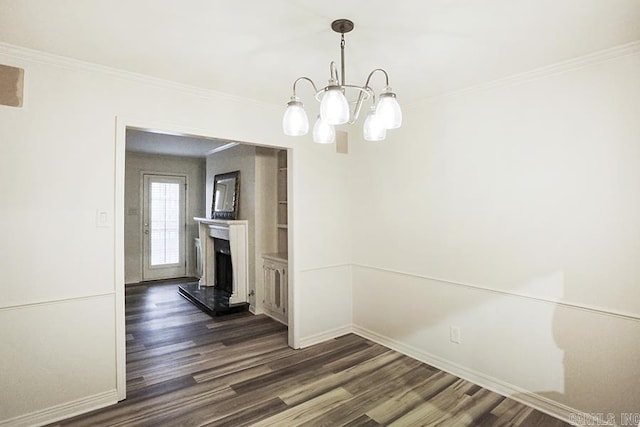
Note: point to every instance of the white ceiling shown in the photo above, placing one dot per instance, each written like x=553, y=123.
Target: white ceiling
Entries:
x=256, y=49
x=173, y=145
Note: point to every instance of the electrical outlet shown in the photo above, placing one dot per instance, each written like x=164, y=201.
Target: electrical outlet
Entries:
x=454, y=334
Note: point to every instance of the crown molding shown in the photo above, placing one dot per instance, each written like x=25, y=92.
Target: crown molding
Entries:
x=46, y=58
x=572, y=64
x=583, y=61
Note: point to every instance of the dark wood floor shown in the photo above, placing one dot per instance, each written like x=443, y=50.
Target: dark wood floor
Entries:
x=186, y=368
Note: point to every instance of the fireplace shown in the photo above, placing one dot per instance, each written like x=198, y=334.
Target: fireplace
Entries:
x=223, y=266
x=223, y=286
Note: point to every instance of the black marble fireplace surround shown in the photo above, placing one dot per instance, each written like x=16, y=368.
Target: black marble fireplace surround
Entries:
x=214, y=300
x=224, y=269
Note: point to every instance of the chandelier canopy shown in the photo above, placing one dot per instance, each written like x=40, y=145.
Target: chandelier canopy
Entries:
x=335, y=108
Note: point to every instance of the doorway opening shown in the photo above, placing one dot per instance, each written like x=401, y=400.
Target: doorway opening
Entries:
x=198, y=194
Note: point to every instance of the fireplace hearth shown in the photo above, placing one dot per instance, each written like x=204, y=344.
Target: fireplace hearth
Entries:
x=222, y=289
x=215, y=300
x=212, y=301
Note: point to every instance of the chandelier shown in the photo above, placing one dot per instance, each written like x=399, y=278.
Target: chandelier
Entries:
x=335, y=108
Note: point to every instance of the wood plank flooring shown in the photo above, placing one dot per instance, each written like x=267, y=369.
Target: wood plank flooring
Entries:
x=188, y=369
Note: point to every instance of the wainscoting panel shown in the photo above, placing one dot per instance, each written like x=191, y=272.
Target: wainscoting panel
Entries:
x=557, y=358
x=325, y=303
x=57, y=359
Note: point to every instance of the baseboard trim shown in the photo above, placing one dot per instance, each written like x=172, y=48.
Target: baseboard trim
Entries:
x=63, y=411
x=542, y=404
x=325, y=336
x=266, y=313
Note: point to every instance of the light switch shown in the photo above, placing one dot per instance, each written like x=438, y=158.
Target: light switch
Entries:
x=102, y=218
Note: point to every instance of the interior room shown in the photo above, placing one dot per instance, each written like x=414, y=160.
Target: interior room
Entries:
x=196, y=163
x=474, y=214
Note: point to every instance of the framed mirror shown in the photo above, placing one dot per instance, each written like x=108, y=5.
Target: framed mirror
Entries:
x=226, y=192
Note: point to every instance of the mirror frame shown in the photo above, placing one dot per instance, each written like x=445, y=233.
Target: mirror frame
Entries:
x=232, y=214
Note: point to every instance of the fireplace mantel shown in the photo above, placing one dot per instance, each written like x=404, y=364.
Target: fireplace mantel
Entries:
x=236, y=232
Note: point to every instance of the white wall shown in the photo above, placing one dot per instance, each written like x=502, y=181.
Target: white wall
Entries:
x=58, y=167
x=323, y=305
x=135, y=165
x=511, y=211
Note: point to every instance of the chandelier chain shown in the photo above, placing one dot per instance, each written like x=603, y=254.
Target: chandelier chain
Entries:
x=342, y=43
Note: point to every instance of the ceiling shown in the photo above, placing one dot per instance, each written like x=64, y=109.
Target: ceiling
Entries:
x=255, y=49
x=173, y=145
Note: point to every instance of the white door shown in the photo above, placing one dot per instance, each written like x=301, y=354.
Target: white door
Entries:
x=163, y=254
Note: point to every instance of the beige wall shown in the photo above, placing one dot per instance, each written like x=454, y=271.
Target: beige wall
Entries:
x=266, y=203
x=257, y=166
x=511, y=212
x=138, y=163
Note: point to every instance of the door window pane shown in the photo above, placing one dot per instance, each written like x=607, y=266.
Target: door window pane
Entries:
x=165, y=223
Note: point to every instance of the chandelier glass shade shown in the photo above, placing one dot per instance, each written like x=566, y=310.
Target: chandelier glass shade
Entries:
x=374, y=126
x=323, y=132
x=336, y=109
x=389, y=111
x=295, y=121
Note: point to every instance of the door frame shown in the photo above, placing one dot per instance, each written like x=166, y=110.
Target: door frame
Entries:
x=183, y=215
x=122, y=123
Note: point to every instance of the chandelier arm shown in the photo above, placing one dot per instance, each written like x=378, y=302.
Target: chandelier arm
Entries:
x=304, y=78
x=371, y=92
x=333, y=68
x=358, y=106
x=386, y=76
